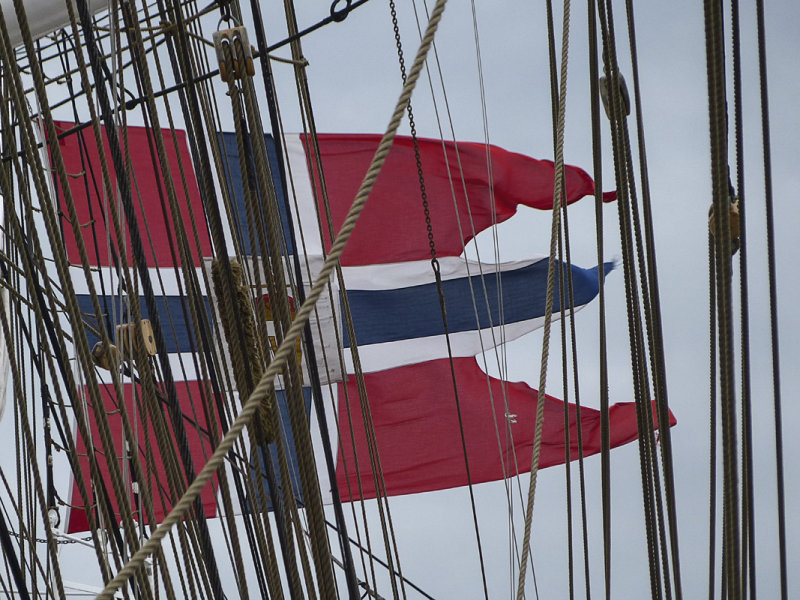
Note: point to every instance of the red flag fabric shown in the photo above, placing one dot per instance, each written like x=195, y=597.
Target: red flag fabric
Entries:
x=82, y=161
x=413, y=411
x=392, y=226
x=200, y=447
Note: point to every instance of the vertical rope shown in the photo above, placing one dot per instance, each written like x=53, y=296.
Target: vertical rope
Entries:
x=773, y=295
x=712, y=418
x=655, y=337
x=597, y=172
x=440, y=291
x=557, y=201
x=722, y=248
x=748, y=499
x=53, y=233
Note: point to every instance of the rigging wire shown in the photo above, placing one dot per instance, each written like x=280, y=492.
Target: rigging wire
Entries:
x=747, y=533
x=773, y=296
x=364, y=406
x=308, y=340
x=652, y=498
x=597, y=172
x=748, y=530
x=712, y=419
x=557, y=200
x=510, y=447
x=205, y=75
x=292, y=334
x=440, y=290
x=731, y=548
x=564, y=245
x=41, y=190
x=253, y=527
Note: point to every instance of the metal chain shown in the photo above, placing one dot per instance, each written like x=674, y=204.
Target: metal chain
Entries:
x=413, y=127
x=44, y=540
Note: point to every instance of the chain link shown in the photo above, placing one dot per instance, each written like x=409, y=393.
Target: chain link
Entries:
x=44, y=540
x=413, y=127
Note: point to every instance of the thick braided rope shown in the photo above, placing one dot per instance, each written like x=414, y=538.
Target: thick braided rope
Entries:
x=731, y=562
x=288, y=345
x=557, y=194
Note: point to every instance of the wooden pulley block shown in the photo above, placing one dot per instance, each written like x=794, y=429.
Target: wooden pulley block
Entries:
x=105, y=356
x=733, y=224
x=623, y=94
x=243, y=65
x=127, y=336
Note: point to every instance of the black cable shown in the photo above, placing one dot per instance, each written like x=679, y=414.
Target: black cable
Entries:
x=658, y=363
x=605, y=438
x=629, y=225
x=384, y=564
x=442, y=304
x=10, y=556
x=712, y=409
x=211, y=204
x=722, y=247
x=340, y=16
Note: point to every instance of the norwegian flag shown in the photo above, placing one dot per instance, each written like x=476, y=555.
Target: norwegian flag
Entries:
x=394, y=301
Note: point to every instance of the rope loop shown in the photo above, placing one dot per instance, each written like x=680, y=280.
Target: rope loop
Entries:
x=436, y=268
x=227, y=18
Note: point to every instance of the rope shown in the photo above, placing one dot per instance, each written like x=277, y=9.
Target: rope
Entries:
x=258, y=531
x=655, y=337
x=26, y=431
x=551, y=45
x=310, y=351
x=712, y=419
x=632, y=248
x=718, y=143
x=557, y=200
x=597, y=172
x=748, y=500
x=60, y=262
x=364, y=406
x=287, y=346
x=136, y=243
x=773, y=296
x=497, y=345
x=137, y=47
x=283, y=500
x=299, y=422
x=565, y=247
x=260, y=544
